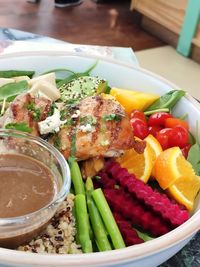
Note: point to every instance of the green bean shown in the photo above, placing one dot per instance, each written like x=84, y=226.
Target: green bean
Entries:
x=10, y=90
x=77, y=179
x=108, y=218
x=82, y=223
x=96, y=221
x=16, y=73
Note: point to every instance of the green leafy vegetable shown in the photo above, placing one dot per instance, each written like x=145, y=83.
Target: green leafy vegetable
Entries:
x=20, y=126
x=16, y=73
x=57, y=71
x=76, y=75
x=112, y=117
x=168, y=101
x=36, y=112
x=89, y=119
x=10, y=90
x=194, y=154
x=194, y=158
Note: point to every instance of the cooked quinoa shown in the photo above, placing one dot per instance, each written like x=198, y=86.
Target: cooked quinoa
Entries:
x=59, y=236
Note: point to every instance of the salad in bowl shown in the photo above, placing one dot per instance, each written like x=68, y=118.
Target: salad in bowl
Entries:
x=133, y=162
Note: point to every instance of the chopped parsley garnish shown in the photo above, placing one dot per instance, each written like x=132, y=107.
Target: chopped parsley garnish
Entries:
x=52, y=108
x=36, y=112
x=88, y=120
x=21, y=126
x=112, y=117
x=57, y=142
x=70, y=122
x=73, y=144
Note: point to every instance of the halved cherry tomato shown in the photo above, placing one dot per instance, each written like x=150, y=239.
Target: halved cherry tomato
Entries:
x=163, y=137
x=154, y=130
x=172, y=122
x=179, y=137
x=138, y=114
x=158, y=119
x=185, y=150
x=139, y=128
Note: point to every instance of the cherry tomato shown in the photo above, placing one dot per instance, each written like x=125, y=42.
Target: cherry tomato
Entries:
x=138, y=114
x=179, y=137
x=172, y=122
x=158, y=119
x=185, y=150
x=139, y=128
x=154, y=130
x=163, y=137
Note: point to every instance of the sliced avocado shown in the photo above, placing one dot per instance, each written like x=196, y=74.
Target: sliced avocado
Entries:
x=82, y=87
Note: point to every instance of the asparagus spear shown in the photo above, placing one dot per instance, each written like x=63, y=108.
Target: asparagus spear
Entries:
x=108, y=218
x=82, y=223
x=95, y=218
x=76, y=178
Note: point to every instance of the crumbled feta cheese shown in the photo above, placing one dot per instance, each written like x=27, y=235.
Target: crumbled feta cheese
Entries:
x=51, y=124
x=86, y=128
x=76, y=114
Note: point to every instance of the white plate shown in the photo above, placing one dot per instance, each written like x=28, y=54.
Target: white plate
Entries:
x=122, y=75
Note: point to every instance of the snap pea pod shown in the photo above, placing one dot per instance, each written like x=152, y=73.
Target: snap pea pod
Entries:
x=8, y=91
x=16, y=73
x=82, y=223
x=167, y=101
x=96, y=221
x=108, y=219
x=76, y=75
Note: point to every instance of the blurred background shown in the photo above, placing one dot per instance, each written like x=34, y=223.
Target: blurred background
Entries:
x=151, y=28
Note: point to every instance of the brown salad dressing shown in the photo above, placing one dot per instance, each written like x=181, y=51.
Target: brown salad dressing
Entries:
x=26, y=185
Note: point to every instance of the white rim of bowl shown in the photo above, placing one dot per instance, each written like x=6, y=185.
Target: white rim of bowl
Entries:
x=136, y=252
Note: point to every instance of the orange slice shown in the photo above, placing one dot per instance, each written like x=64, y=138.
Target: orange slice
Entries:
x=185, y=189
x=156, y=148
x=138, y=164
x=170, y=166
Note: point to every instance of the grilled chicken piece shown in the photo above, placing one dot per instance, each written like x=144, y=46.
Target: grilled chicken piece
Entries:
x=90, y=167
x=26, y=108
x=101, y=130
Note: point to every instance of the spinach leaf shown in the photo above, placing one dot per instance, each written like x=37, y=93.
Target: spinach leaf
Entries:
x=57, y=71
x=16, y=73
x=194, y=158
x=9, y=90
x=168, y=100
x=76, y=75
x=21, y=126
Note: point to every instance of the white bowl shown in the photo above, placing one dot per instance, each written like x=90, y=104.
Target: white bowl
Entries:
x=151, y=253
